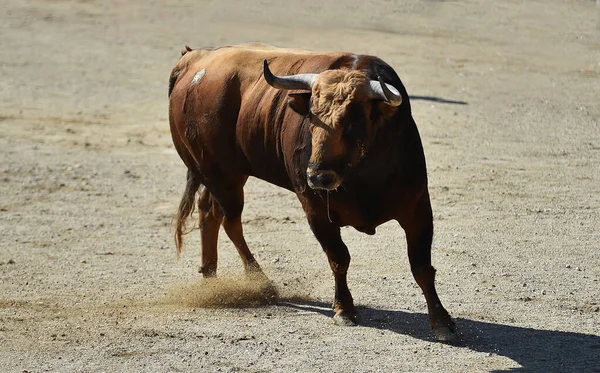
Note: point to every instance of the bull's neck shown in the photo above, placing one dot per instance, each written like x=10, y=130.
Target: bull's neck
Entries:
x=396, y=151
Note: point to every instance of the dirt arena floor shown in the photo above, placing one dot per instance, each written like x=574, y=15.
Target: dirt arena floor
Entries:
x=506, y=95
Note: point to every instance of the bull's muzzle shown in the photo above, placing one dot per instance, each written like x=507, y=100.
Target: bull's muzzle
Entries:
x=323, y=179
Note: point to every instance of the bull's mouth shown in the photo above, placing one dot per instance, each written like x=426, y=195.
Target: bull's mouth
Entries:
x=323, y=179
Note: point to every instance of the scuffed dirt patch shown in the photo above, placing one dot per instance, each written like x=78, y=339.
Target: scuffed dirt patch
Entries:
x=223, y=292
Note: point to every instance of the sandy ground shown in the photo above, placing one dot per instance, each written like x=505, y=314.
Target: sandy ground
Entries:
x=507, y=99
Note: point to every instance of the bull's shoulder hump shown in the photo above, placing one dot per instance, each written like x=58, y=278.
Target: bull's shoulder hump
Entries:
x=270, y=49
x=251, y=54
x=261, y=51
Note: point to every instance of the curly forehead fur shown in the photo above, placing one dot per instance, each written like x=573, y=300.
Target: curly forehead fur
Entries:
x=334, y=91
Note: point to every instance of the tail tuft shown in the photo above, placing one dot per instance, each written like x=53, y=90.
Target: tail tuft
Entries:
x=172, y=80
x=186, y=208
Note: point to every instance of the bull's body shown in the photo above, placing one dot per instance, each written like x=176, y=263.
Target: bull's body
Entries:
x=228, y=124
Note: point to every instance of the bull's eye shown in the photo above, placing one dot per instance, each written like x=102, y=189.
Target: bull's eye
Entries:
x=355, y=131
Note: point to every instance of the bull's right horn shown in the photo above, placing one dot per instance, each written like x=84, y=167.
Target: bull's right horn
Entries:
x=382, y=91
x=298, y=81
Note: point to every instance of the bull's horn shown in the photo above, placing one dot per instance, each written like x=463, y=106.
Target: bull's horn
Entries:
x=383, y=91
x=298, y=81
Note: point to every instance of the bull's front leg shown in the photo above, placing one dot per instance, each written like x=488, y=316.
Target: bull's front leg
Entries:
x=330, y=239
x=418, y=225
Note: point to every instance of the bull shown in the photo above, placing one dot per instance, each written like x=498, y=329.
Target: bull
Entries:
x=334, y=128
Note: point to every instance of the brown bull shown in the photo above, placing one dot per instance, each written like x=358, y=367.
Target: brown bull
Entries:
x=335, y=128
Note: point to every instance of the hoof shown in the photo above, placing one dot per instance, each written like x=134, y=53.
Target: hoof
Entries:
x=267, y=290
x=256, y=275
x=344, y=319
x=269, y=293
x=445, y=334
x=206, y=272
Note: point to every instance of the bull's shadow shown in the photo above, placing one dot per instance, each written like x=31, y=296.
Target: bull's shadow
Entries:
x=534, y=349
x=439, y=100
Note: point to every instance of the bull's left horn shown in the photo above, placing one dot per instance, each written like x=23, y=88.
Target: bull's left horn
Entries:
x=298, y=81
x=386, y=92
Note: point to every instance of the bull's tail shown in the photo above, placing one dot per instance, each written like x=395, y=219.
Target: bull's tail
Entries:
x=186, y=208
x=172, y=80
x=175, y=72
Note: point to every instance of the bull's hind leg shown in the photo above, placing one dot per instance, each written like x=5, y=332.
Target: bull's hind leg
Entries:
x=419, y=233
x=234, y=230
x=231, y=200
x=210, y=222
x=232, y=204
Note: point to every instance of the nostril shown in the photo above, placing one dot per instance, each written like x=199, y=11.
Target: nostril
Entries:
x=326, y=179
x=320, y=179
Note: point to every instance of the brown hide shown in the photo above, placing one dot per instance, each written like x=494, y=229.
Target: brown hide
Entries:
x=232, y=123
x=234, y=108
x=228, y=124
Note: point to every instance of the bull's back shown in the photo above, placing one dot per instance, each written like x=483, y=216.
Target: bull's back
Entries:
x=244, y=62
x=222, y=108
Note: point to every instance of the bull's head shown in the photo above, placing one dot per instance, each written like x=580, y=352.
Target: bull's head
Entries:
x=344, y=107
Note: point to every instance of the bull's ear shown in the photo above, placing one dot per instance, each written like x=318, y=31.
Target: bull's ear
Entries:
x=300, y=103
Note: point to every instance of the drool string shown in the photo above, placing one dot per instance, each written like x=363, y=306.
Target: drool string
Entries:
x=328, y=215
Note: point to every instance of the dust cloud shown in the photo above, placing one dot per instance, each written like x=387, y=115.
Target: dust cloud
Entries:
x=223, y=292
